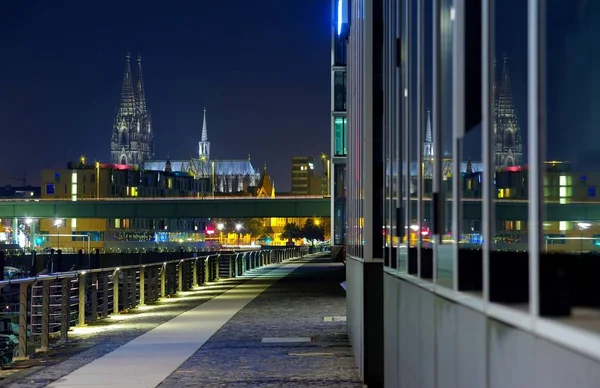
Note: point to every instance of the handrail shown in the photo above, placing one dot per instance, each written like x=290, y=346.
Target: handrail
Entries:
x=162, y=199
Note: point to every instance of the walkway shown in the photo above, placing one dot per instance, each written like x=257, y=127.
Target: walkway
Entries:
x=274, y=330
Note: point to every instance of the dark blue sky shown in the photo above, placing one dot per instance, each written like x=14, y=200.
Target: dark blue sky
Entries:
x=262, y=71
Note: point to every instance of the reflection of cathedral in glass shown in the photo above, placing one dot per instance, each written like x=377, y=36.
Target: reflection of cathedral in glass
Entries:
x=508, y=147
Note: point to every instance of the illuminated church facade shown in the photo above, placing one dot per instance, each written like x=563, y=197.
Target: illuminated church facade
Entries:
x=132, y=144
x=227, y=176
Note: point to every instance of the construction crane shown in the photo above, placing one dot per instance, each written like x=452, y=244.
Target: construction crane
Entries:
x=23, y=180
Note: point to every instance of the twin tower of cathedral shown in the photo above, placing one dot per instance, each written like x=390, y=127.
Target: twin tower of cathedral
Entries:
x=132, y=140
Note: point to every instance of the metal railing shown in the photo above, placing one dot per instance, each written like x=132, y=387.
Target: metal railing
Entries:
x=38, y=309
x=137, y=199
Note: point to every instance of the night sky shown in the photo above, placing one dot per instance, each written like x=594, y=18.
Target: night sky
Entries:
x=262, y=71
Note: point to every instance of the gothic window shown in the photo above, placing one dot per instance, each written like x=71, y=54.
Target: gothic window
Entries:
x=509, y=139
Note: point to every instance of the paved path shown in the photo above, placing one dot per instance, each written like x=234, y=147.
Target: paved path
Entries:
x=269, y=331
x=293, y=309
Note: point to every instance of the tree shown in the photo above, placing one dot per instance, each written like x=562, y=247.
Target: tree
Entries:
x=255, y=227
x=291, y=231
x=312, y=231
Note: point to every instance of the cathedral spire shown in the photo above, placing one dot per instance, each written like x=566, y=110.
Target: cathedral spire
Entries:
x=204, y=130
x=204, y=144
x=428, y=144
x=428, y=134
x=127, y=106
x=140, y=93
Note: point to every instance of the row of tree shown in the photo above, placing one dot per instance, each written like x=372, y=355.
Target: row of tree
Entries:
x=310, y=231
x=256, y=228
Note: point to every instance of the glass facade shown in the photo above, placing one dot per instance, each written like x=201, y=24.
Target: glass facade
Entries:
x=482, y=190
x=339, y=125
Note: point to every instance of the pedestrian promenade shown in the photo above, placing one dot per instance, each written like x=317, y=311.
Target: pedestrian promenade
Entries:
x=284, y=326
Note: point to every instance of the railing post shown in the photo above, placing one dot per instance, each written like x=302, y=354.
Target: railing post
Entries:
x=125, y=292
x=81, y=317
x=104, y=294
x=142, y=286
x=217, y=258
x=65, y=316
x=244, y=264
x=45, y=337
x=206, y=270
x=23, y=320
x=195, y=273
x=180, y=276
x=235, y=265
x=116, y=292
x=163, y=280
x=94, y=294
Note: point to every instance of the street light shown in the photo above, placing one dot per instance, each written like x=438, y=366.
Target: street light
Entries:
x=238, y=228
x=97, y=180
x=58, y=223
x=220, y=226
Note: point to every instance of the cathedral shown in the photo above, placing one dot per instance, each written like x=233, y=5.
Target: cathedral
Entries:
x=132, y=144
x=132, y=139
x=226, y=176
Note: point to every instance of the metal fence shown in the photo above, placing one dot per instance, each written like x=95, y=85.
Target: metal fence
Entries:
x=35, y=310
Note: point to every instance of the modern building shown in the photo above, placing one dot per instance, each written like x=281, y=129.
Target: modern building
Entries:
x=222, y=176
x=432, y=311
x=132, y=140
x=304, y=179
x=339, y=124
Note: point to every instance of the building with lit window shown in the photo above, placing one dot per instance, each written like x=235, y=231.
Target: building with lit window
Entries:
x=81, y=181
x=304, y=180
x=482, y=276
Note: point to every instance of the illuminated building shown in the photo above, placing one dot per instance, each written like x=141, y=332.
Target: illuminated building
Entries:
x=304, y=180
x=236, y=176
x=132, y=137
x=80, y=181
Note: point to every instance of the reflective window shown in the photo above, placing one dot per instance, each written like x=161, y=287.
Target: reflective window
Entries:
x=340, y=148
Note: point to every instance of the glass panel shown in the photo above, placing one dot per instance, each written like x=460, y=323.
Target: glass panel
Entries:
x=411, y=227
x=444, y=247
x=340, y=147
x=570, y=177
x=426, y=146
x=339, y=204
x=509, y=263
x=402, y=122
x=339, y=91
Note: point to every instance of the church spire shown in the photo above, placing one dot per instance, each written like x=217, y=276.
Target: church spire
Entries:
x=127, y=106
x=428, y=144
x=139, y=89
x=204, y=144
x=204, y=130
x=428, y=134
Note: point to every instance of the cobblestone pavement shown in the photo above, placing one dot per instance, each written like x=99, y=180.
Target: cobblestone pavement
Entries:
x=94, y=341
x=295, y=306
